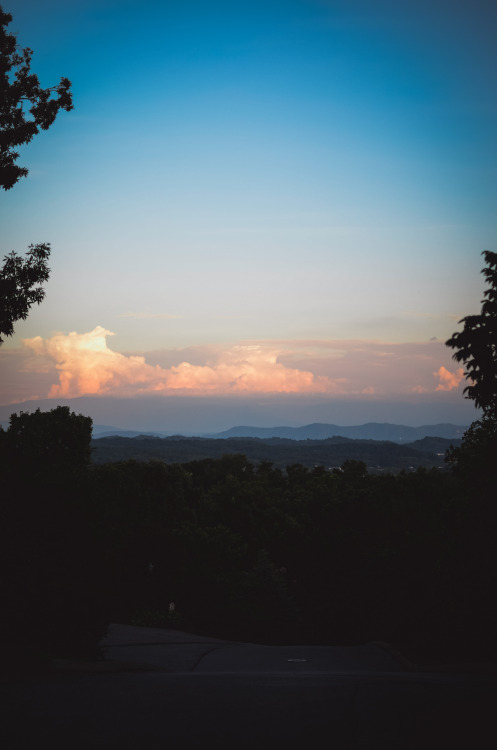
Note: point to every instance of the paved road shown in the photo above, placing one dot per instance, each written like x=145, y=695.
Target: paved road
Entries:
x=165, y=689
x=174, y=651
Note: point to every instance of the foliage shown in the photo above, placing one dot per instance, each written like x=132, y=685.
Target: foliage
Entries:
x=25, y=108
x=249, y=553
x=331, y=452
x=19, y=280
x=476, y=345
x=20, y=90
x=474, y=562
x=246, y=552
x=475, y=458
x=55, y=581
x=55, y=443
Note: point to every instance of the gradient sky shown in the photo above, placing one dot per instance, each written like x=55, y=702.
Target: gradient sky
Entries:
x=288, y=196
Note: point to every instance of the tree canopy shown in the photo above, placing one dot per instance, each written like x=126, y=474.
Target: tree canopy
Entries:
x=54, y=443
x=476, y=345
x=25, y=106
x=19, y=285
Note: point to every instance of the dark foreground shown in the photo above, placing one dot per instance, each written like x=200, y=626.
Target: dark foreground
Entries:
x=166, y=689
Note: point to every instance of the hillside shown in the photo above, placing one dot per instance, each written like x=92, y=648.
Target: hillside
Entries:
x=379, y=456
x=396, y=433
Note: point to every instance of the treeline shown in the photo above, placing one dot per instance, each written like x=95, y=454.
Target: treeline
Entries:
x=379, y=456
x=244, y=550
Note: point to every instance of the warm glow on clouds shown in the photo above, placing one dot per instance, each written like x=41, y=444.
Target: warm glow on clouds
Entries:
x=83, y=364
x=370, y=367
x=448, y=380
x=86, y=366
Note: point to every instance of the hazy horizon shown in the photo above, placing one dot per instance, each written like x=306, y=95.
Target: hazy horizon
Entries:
x=187, y=415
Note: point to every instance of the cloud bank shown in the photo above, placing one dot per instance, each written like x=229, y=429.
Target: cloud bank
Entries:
x=83, y=364
x=87, y=366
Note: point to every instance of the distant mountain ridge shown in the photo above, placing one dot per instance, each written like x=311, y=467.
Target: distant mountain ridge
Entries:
x=100, y=431
x=370, y=431
x=316, y=431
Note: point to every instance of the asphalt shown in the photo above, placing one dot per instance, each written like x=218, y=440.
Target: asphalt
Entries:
x=163, y=688
x=127, y=647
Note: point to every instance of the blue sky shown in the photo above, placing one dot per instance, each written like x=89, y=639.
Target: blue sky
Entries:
x=265, y=196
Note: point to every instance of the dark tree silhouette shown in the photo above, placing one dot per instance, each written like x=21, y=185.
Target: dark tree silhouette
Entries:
x=50, y=550
x=25, y=107
x=54, y=444
x=20, y=288
x=476, y=345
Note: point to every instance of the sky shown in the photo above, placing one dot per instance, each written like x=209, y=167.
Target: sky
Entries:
x=256, y=201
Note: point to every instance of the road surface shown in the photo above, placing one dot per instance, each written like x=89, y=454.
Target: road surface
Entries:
x=166, y=689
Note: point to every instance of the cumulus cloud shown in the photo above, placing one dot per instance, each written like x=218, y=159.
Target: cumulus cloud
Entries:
x=78, y=364
x=87, y=366
x=448, y=380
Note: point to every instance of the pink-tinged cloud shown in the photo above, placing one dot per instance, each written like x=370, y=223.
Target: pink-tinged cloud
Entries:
x=448, y=380
x=86, y=366
x=378, y=368
x=419, y=389
x=368, y=390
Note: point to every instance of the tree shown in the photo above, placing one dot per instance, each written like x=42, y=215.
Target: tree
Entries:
x=476, y=345
x=54, y=444
x=19, y=280
x=51, y=550
x=25, y=106
x=475, y=467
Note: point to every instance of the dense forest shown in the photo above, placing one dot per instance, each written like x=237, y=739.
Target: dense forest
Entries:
x=379, y=455
x=244, y=550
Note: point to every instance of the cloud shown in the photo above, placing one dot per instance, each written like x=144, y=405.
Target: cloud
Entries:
x=448, y=380
x=87, y=366
x=369, y=390
x=419, y=389
x=380, y=368
x=24, y=377
x=83, y=364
